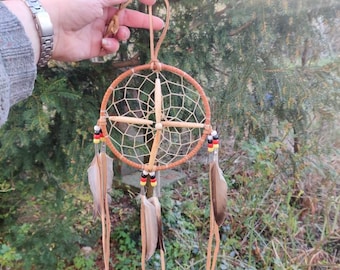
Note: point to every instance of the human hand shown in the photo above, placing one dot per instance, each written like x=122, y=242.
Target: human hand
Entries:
x=80, y=26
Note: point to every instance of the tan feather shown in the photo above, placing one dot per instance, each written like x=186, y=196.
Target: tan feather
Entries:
x=154, y=200
x=151, y=227
x=219, y=193
x=93, y=173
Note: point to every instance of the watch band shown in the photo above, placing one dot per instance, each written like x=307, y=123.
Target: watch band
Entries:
x=45, y=30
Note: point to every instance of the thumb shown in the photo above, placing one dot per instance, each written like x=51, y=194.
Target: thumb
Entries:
x=110, y=45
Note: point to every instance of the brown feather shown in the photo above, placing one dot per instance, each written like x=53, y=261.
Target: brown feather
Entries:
x=219, y=193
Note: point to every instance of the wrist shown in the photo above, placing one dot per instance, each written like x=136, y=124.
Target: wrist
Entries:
x=44, y=29
x=52, y=8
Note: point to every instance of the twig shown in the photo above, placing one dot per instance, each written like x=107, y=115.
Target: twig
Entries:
x=133, y=61
x=241, y=28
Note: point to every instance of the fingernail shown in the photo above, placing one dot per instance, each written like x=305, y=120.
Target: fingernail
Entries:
x=110, y=44
x=105, y=42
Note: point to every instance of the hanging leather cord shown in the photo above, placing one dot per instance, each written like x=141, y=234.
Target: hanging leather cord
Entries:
x=156, y=65
x=155, y=50
x=214, y=232
x=104, y=209
x=143, y=229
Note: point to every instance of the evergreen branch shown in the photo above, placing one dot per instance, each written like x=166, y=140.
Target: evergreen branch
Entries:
x=219, y=70
x=218, y=16
x=241, y=28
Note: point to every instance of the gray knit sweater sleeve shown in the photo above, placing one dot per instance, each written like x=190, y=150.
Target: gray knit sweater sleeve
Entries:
x=17, y=67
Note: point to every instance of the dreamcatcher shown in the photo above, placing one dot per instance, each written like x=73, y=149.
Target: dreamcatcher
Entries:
x=155, y=117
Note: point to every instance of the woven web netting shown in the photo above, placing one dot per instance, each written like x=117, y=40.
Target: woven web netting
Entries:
x=183, y=110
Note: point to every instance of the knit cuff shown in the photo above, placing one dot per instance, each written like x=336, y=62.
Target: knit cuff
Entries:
x=17, y=67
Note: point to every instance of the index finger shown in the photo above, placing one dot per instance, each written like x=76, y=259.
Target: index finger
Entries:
x=148, y=2
x=136, y=19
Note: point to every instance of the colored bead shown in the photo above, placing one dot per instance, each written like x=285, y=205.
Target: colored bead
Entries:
x=215, y=144
x=97, y=136
x=102, y=136
x=215, y=140
x=142, y=181
x=153, y=180
x=210, y=143
x=143, y=178
x=96, y=129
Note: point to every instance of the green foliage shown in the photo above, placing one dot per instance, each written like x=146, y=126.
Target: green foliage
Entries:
x=272, y=76
x=263, y=156
x=40, y=149
x=8, y=256
x=127, y=242
x=277, y=219
x=53, y=239
x=84, y=263
x=248, y=57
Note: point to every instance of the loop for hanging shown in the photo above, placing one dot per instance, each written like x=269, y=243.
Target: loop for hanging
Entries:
x=155, y=50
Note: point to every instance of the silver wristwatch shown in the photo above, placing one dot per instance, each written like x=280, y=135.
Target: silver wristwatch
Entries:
x=45, y=30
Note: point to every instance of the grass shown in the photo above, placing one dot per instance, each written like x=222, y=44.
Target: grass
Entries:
x=283, y=213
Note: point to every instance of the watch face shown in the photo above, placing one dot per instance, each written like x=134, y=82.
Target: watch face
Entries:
x=45, y=24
